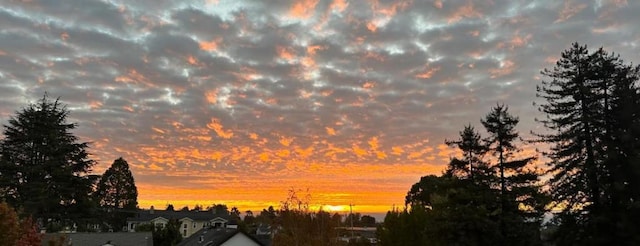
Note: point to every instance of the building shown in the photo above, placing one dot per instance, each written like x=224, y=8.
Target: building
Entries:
x=103, y=238
x=353, y=234
x=191, y=221
x=223, y=237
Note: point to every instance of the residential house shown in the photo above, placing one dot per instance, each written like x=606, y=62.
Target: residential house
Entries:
x=223, y=237
x=191, y=221
x=103, y=238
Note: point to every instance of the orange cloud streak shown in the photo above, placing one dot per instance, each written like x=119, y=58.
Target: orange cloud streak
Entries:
x=303, y=9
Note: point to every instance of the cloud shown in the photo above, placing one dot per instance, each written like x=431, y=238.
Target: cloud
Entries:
x=290, y=93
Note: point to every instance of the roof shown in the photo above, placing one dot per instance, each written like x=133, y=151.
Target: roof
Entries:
x=147, y=215
x=215, y=237
x=113, y=238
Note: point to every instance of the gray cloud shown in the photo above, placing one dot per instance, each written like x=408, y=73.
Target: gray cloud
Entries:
x=249, y=86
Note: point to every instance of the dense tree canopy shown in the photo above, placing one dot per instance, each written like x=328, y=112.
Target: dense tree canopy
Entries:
x=477, y=200
x=43, y=170
x=117, y=188
x=592, y=108
x=521, y=200
x=117, y=194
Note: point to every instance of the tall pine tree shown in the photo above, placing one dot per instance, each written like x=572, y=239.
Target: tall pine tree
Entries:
x=473, y=150
x=44, y=168
x=592, y=107
x=521, y=200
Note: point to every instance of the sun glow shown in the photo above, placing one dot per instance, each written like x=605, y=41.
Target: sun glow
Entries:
x=334, y=208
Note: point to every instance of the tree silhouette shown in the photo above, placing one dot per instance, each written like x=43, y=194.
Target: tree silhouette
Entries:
x=44, y=167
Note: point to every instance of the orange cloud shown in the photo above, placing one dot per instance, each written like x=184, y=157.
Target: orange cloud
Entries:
x=92, y=104
x=339, y=5
x=217, y=127
x=506, y=68
x=395, y=150
x=391, y=10
x=283, y=153
x=428, y=74
x=372, y=26
x=212, y=96
x=285, y=53
x=569, y=10
x=192, y=60
x=465, y=11
x=517, y=41
x=211, y=45
x=369, y=85
x=360, y=152
x=264, y=157
x=304, y=153
x=311, y=49
x=303, y=9
x=330, y=131
x=158, y=130
x=285, y=141
x=133, y=77
x=373, y=143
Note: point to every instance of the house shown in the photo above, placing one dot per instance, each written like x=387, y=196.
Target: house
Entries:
x=104, y=238
x=222, y=237
x=349, y=234
x=191, y=221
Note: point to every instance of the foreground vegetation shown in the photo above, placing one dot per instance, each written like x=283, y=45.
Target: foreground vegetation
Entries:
x=493, y=195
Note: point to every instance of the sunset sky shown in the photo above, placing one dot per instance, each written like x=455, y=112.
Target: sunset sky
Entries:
x=237, y=102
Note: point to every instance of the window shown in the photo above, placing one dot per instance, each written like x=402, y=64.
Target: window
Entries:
x=194, y=224
x=184, y=225
x=184, y=233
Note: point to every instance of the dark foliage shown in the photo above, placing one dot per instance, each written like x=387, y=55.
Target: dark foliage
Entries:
x=592, y=106
x=43, y=171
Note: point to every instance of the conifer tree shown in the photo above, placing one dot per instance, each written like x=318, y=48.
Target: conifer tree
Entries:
x=473, y=150
x=521, y=200
x=592, y=112
x=117, y=188
x=44, y=167
x=117, y=194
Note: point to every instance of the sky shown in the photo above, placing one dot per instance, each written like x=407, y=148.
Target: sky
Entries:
x=238, y=102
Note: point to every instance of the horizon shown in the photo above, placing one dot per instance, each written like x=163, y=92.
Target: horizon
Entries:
x=237, y=102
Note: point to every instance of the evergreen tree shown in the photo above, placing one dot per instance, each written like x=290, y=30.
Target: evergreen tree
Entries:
x=117, y=188
x=117, y=193
x=473, y=150
x=459, y=207
x=521, y=200
x=44, y=168
x=592, y=106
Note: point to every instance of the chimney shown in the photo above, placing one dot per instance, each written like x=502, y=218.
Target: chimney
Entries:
x=151, y=210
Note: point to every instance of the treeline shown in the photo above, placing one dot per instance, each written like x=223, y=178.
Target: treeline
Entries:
x=493, y=195
x=294, y=223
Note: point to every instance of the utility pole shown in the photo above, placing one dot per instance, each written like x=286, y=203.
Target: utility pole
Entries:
x=351, y=215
